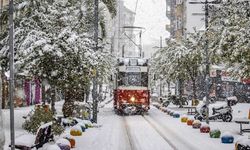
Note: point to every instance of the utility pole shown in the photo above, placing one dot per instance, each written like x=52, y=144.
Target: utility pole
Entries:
x=207, y=78
x=1, y=9
x=207, y=63
x=11, y=80
x=119, y=32
x=94, y=91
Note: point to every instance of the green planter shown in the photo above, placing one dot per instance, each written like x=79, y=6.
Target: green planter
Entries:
x=215, y=133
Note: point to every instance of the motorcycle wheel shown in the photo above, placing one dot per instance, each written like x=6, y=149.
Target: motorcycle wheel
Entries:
x=227, y=117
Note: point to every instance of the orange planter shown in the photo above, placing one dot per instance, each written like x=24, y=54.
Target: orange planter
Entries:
x=190, y=122
x=72, y=142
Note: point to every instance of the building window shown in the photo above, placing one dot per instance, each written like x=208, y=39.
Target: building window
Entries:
x=179, y=2
x=179, y=23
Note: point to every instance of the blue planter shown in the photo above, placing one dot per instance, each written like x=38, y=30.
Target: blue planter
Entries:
x=227, y=139
x=83, y=128
x=176, y=115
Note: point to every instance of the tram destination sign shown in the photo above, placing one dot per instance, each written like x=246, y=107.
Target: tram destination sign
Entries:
x=133, y=69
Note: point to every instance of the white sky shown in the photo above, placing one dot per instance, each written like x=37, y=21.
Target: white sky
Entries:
x=150, y=14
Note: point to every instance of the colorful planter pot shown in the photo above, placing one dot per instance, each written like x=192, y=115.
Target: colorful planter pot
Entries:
x=171, y=113
x=76, y=131
x=72, y=141
x=63, y=146
x=164, y=109
x=196, y=124
x=176, y=115
x=83, y=128
x=190, y=122
x=161, y=108
x=168, y=112
x=184, y=119
x=215, y=133
x=205, y=129
x=227, y=139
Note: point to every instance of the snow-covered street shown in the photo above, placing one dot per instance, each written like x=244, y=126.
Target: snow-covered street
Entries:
x=154, y=131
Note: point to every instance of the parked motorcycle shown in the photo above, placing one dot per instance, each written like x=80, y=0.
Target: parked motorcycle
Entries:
x=176, y=100
x=222, y=110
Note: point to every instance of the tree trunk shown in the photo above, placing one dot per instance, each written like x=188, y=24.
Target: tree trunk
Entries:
x=180, y=92
x=53, y=99
x=87, y=94
x=68, y=106
x=194, y=89
x=43, y=94
x=169, y=90
x=4, y=89
x=100, y=98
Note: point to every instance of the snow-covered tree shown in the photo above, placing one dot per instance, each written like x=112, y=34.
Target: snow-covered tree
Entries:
x=180, y=60
x=229, y=33
x=53, y=42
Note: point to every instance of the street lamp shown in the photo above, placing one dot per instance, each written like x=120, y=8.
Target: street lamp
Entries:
x=207, y=80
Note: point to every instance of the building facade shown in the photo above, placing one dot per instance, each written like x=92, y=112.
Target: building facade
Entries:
x=184, y=18
x=122, y=36
x=3, y=3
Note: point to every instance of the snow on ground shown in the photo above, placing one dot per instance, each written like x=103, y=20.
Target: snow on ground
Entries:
x=110, y=136
x=183, y=136
x=142, y=133
x=143, y=136
x=19, y=113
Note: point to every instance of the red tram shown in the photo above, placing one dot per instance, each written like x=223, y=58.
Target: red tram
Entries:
x=131, y=92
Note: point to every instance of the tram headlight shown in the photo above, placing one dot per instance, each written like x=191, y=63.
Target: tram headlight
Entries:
x=132, y=99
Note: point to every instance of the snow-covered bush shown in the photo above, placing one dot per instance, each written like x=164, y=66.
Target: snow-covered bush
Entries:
x=40, y=117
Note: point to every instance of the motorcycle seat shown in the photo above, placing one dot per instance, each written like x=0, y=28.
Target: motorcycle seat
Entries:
x=218, y=108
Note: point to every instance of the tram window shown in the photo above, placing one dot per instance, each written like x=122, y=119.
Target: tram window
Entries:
x=133, y=79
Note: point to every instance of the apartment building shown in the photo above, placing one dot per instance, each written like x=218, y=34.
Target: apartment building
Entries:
x=184, y=17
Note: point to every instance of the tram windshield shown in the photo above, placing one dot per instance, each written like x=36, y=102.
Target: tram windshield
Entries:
x=133, y=79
